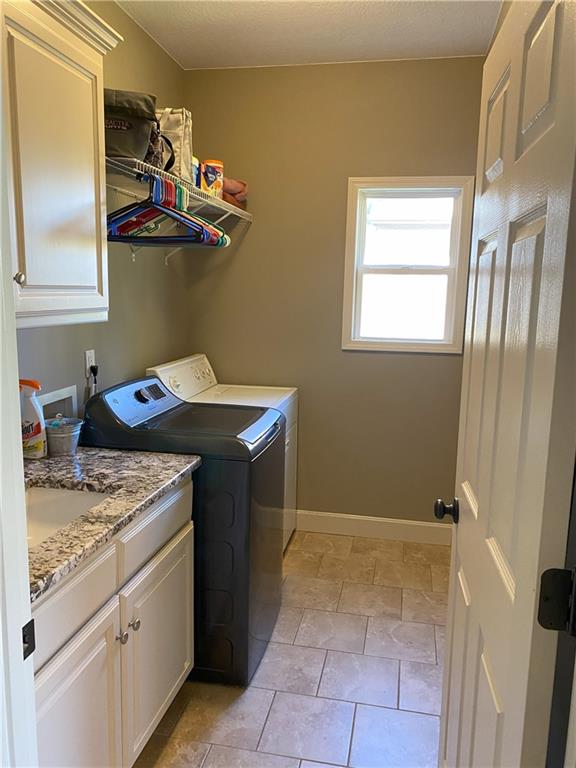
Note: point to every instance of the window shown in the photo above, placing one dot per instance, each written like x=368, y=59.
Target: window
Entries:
x=407, y=244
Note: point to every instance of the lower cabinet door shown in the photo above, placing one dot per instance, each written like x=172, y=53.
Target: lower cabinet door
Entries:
x=78, y=698
x=156, y=609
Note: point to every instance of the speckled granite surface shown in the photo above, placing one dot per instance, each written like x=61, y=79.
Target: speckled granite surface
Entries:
x=134, y=480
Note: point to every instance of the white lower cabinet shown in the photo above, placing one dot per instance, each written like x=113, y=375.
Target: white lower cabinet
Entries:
x=100, y=697
x=78, y=697
x=157, y=607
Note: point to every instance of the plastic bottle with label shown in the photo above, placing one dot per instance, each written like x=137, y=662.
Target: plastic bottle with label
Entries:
x=32, y=419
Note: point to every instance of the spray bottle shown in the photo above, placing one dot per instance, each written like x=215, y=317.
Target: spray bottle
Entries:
x=33, y=426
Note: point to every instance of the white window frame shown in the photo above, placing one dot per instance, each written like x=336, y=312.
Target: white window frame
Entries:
x=462, y=188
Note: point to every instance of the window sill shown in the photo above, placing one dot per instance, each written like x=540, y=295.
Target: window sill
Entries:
x=417, y=347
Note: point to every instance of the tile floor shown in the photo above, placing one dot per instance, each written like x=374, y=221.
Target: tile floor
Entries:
x=352, y=677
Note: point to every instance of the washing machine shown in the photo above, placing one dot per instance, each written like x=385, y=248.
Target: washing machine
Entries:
x=237, y=510
x=193, y=379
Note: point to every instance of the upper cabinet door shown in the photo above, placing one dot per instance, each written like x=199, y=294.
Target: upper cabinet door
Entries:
x=54, y=119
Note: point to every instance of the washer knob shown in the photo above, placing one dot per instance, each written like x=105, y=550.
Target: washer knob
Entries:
x=142, y=396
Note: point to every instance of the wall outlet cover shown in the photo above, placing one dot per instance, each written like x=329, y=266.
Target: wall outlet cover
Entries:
x=89, y=359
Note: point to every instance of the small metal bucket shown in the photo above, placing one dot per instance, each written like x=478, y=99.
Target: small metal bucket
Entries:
x=63, y=435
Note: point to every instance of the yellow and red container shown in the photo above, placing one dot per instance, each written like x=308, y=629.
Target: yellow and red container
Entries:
x=212, y=177
x=32, y=419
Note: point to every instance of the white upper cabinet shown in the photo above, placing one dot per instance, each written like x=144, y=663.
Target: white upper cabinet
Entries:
x=53, y=107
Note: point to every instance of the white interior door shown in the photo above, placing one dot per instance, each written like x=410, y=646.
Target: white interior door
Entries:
x=517, y=424
x=17, y=709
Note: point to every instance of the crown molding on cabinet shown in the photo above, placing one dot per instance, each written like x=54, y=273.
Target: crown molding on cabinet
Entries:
x=77, y=17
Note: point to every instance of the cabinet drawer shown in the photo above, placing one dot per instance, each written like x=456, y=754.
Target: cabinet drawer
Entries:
x=59, y=616
x=141, y=540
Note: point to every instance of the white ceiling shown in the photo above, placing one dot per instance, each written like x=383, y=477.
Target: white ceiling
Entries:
x=207, y=34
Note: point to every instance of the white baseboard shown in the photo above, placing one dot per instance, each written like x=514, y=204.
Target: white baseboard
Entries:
x=373, y=527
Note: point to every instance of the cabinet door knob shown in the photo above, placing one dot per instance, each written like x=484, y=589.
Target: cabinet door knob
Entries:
x=19, y=278
x=123, y=637
x=135, y=624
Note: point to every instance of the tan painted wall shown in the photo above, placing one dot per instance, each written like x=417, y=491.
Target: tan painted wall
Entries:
x=146, y=316
x=377, y=430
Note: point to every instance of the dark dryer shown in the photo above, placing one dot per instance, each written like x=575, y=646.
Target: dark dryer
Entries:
x=237, y=510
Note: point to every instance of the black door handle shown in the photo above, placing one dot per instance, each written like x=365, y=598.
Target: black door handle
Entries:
x=441, y=510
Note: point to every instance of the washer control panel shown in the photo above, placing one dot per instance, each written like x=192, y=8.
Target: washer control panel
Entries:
x=138, y=401
x=186, y=377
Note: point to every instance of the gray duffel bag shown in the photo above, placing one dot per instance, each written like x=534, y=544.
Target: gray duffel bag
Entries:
x=132, y=129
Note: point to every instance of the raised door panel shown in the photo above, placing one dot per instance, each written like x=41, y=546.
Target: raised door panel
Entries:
x=495, y=123
x=157, y=612
x=481, y=308
x=538, y=96
x=455, y=672
x=54, y=90
x=514, y=390
x=78, y=698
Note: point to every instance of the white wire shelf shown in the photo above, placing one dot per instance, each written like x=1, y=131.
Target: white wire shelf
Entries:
x=125, y=176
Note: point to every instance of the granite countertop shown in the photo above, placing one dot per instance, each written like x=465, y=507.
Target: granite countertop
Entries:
x=134, y=480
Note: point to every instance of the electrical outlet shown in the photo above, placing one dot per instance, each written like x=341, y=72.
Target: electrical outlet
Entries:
x=89, y=359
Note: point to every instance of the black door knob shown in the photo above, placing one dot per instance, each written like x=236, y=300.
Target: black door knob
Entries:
x=441, y=510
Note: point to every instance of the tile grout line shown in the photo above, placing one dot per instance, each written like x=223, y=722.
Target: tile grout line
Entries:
x=344, y=613
x=322, y=697
x=416, y=712
x=339, y=597
x=398, y=686
x=265, y=721
x=366, y=637
x=320, y=561
x=206, y=755
x=297, y=628
x=349, y=757
x=399, y=682
x=321, y=673
x=353, y=653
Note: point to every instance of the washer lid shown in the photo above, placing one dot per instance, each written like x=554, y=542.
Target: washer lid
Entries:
x=241, y=394
x=214, y=419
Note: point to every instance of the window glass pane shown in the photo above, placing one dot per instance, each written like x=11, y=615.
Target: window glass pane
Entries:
x=403, y=306
x=408, y=230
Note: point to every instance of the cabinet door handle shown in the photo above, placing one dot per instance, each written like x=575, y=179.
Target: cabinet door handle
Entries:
x=123, y=637
x=135, y=624
x=19, y=278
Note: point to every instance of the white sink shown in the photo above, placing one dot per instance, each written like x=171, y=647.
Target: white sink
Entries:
x=48, y=509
